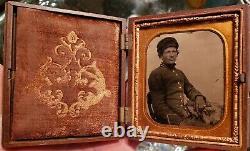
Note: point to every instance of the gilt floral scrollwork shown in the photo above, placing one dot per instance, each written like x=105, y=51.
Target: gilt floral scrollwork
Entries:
x=71, y=67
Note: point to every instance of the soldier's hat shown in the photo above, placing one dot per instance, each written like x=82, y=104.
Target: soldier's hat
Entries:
x=166, y=43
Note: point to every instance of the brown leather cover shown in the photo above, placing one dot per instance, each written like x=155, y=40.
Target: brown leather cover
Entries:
x=67, y=75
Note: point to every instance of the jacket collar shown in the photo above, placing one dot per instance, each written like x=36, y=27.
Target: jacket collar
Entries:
x=170, y=66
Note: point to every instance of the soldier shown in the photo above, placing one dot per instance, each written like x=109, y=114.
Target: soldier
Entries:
x=168, y=85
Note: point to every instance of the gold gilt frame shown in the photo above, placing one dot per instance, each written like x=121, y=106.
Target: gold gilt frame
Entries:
x=228, y=24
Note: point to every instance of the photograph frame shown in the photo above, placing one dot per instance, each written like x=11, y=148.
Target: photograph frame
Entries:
x=234, y=83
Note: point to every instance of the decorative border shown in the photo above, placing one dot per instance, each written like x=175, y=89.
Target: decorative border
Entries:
x=210, y=139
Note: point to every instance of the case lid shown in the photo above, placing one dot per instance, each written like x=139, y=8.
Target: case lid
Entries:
x=64, y=75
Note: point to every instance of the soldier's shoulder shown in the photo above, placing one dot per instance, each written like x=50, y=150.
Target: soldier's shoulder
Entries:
x=155, y=76
x=179, y=70
x=156, y=71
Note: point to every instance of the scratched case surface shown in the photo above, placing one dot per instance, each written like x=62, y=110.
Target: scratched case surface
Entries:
x=65, y=74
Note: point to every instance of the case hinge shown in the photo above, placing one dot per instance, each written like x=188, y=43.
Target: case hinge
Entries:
x=122, y=115
x=125, y=114
x=242, y=78
x=126, y=41
x=10, y=73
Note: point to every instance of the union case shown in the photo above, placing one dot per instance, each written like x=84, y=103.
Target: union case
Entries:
x=45, y=49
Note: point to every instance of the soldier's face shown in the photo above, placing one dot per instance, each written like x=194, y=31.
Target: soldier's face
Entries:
x=169, y=55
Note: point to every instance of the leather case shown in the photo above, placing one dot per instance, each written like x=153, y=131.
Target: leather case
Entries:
x=65, y=73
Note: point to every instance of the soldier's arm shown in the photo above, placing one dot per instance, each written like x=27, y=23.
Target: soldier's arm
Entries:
x=194, y=95
x=191, y=92
x=157, y=93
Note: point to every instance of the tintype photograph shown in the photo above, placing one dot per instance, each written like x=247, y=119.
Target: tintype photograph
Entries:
x=185, y=73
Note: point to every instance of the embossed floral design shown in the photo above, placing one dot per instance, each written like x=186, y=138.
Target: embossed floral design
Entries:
x=71, y=67
x=72, y=37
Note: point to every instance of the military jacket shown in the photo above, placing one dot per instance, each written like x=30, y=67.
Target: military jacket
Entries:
x=167, y=86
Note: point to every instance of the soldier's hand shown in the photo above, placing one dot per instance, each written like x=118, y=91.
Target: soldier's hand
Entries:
x=200, y=103
x=185, y=114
